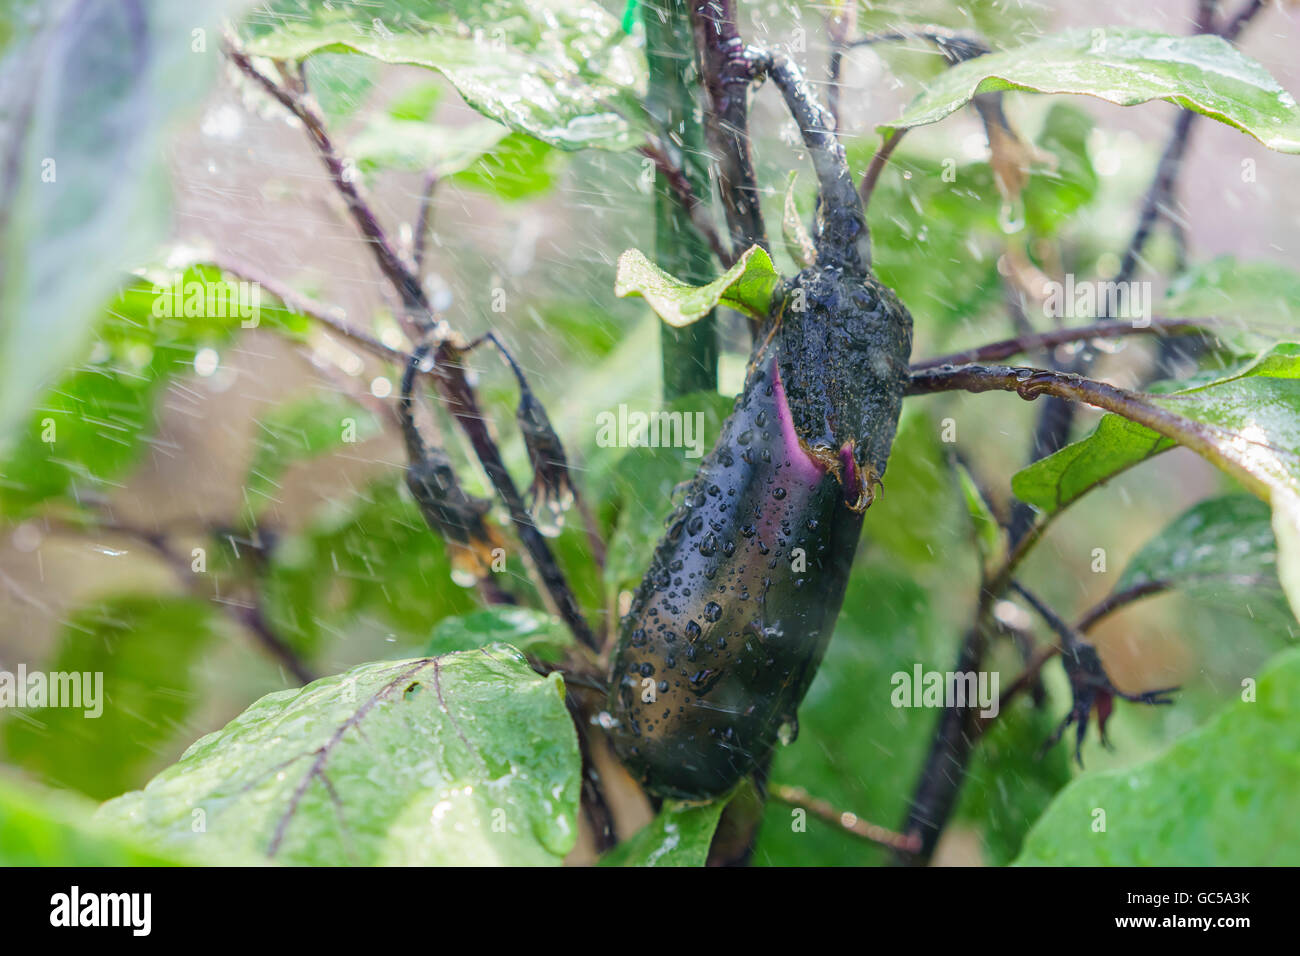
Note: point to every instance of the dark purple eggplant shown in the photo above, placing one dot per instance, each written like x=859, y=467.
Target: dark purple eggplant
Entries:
x=730, y=623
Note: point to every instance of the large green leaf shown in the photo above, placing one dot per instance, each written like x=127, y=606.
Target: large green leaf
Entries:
x=144, y=650
x=84, y=106
x=1247, y=423
x=560, y=70
x=92, y=425
x=1127, y=67
x=40, y=827
x=748, y=287
x=1221, y=796
x=679, y=836
x=469, y=758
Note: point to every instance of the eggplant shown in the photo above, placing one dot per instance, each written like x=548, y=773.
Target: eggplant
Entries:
x=727, y=629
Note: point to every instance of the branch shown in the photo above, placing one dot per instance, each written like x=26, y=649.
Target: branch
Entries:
x=449, y=374
x=1030, y=383
x=462, y=404
x=839, y=24
x=423, y=220
x=701, y=221
x=1238, y=21
x=250, y=616
x=403, y=279
x=1034, y=341
x=727, y=68
x=332, y=317
x=878, y=163
x=845, y=820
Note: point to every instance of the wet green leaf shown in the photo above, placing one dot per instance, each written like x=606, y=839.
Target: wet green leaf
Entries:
x=680, y=835
x=1055, y=194
x=563, y=72
x=1229, y=538
x=465, y=759
x=1125, y=66
x=1246, y=422
x=1221, y=796
x=748, y=287
x=418, y=145
x=1055, y=482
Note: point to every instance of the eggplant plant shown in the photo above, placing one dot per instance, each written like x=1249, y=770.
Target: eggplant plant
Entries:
x=501, y=634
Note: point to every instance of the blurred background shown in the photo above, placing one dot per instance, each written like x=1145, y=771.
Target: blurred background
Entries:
x=336, y=564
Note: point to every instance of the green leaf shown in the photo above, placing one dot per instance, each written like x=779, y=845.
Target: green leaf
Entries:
x=466, y=759
x=341, y=84
x=1248, y=300
x=144, y=650
x=40, y=827
x=1125, y=66
x=299, y=430
x=85, y=108
x=748, y=287
x=1053, y=196
x=679, y=836
x=1053, y=483
x=1221, y=796
x=533, y=632
x=1224, y=539
x=559, y=70
x=518, y=167
x=91, y=427
x=1246, y=422
x=988, y=531
x=1010, y=782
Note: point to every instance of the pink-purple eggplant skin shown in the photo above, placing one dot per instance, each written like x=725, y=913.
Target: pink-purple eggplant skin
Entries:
x=726, y=631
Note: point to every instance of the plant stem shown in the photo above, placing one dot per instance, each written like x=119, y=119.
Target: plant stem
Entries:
x=728, y=68
x=689, y=354
x=1033, y=341
x=845, y=820
x=458, y=394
